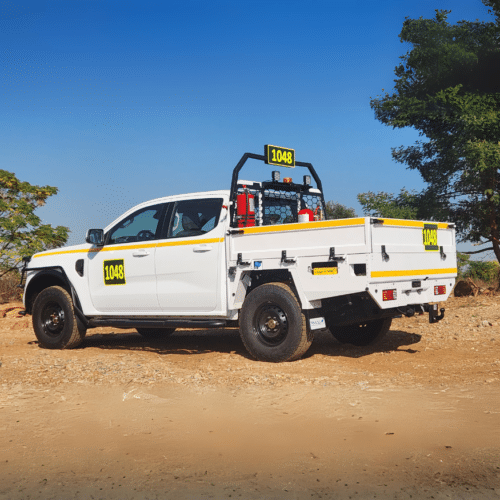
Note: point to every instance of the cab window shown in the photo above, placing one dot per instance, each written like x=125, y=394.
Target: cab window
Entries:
x=194, y=217
x=140, y=226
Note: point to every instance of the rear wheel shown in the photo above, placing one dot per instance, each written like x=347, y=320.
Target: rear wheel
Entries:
x=272, y=324
x=155, y=333
x=54, y=320
x=363, y=334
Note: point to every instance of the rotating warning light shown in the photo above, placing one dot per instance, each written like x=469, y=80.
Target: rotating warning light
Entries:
x=276, y=176
x=287, y=180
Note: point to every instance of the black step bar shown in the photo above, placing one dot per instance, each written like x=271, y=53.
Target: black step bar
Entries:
x=156, y=323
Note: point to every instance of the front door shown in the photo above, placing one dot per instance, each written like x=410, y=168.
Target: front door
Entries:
x=122, y=275
x=188, y=259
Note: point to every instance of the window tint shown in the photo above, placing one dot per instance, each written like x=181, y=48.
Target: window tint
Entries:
x=140, y=226
x=194, y=217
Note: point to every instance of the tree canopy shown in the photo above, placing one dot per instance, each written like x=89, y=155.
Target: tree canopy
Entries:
x=336, y=210
x=403, y=206
x=447, y=87
x=21, y=231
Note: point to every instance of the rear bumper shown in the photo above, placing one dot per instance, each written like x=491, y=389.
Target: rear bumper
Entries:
x=398, y=294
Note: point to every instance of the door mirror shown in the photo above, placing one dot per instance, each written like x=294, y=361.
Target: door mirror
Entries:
x=95, y=237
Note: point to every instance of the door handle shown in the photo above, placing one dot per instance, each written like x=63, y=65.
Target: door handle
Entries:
x=202, y=248
x=140, y=253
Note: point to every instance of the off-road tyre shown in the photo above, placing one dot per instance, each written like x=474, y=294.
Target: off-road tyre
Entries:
x=369, y=333
x=54, y=320
x=272, y=324
x=155, y=333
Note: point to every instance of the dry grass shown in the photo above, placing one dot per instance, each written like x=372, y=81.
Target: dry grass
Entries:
x=9, y=290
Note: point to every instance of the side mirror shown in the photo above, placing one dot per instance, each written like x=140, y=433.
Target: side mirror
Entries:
x=95, y=237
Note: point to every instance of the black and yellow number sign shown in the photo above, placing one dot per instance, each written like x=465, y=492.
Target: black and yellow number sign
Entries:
x=279, y=156
x=114, y=272
x=430, y=236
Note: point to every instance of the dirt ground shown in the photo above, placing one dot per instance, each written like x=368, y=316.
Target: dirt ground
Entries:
x=193, y=417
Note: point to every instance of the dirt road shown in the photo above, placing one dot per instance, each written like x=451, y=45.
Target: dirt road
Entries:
x=194, y=417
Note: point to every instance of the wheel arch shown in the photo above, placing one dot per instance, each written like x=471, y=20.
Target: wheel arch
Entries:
x=259, y=278
x=45, y=279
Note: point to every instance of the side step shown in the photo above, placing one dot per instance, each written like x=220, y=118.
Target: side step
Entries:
x=156, y=323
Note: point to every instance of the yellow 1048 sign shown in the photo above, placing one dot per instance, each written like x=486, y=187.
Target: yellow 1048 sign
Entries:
x=430, y=237
x=276, y=155
x=114, y=272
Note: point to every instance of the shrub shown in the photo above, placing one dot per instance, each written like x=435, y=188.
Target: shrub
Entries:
x=487, y=271
x=9, y=290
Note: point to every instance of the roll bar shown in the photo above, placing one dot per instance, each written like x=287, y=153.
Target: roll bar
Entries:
x=244, y=158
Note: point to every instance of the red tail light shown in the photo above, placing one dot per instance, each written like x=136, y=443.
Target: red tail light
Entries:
x=389, y=295
x=440, y=290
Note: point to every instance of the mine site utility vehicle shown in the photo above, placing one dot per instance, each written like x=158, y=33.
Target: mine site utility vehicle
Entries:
x=261, y=255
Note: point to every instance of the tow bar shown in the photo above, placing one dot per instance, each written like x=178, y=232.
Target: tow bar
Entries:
x=434, y=317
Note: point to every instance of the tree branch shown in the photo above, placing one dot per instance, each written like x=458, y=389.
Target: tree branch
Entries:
x=479, y=251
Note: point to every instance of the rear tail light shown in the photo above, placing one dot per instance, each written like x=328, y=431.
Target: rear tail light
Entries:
x=440, y=290
x=389, y=295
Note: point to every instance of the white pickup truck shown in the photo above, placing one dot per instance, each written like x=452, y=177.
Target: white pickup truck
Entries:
x=261, y=255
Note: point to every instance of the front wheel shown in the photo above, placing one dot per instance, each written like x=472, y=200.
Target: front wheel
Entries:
x=272, y=324
x=54, y=320
x=363, y=334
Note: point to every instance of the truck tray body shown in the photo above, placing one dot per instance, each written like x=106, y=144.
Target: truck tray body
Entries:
x=369, y=254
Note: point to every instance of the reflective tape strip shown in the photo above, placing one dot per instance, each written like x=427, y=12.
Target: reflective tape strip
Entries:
x=304, y=225
x=189, y=242
x=412, y=272
x=412, y=223
x=133, y=247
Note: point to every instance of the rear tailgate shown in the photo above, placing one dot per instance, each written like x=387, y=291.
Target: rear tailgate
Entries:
x=415, y=259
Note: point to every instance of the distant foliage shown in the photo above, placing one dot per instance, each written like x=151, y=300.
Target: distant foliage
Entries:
x=462, y=264
x=381, y=204
x=336, y=210
x=9, y=289
x=21, y=231
x=487, y=271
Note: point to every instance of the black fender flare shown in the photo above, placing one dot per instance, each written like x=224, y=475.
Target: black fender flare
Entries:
x=56, y=276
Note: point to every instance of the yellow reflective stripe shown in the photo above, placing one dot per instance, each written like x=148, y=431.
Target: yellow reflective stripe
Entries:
x=59, y=253
x=412, y=223
x=122, y=247
x=412, y=272
x=304, y=225
x=189, y=242
x=133, y=247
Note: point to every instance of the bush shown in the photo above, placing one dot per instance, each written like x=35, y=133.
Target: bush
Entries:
x=486, y=271
x=9, y=291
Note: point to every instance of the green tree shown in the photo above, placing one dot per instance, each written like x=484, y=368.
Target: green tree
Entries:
x=336, y=210
x=448, y=88
x=21, y=231
x=381, y=204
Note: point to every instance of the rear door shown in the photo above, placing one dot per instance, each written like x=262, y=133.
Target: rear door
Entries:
x=189, y=257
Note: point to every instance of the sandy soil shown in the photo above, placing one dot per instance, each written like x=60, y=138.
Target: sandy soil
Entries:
x=193, y=417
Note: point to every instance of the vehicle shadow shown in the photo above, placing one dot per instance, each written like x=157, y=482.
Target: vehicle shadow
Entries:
x=193, y=342
x=395, y=340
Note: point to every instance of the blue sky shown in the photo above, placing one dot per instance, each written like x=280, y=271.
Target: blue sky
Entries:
x=118, y=102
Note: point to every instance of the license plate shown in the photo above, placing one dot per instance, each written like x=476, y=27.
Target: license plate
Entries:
x=322, y=271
